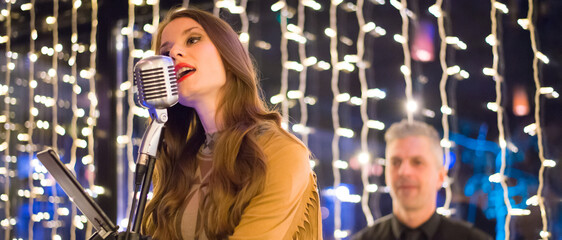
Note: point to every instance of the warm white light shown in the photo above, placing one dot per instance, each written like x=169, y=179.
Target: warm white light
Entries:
x=372, y=188
x=137, y=53
x=299, y=128
x=63, y=211
x=310, y=61
x=81, y=143
x=491, y=39
x=293, y=66
x=310, y=100
x=34, y=111
x=444, y=211
x=330, y=32
x=149, y=28
x=345, y=66
x=375, y=124
x=376, y=93
x=87, y=160
x=549, y=163
x=294, y=28
x=502, y=7
x=462, y=45
x=337, y=2
x=496, y=178
x=543, y=57
x=357, y=101
x=546, y=90
x=244, y=37
x=136, y=2
x=488, y=71
x=519, y=212
x=405, y=70
x=294, y=94
x=464, y=74
x=544, y=234
x=530, y=129
x=370, y=26
x=532, y=201
x=343, y=97
x=435, y=10
x=524, y=23
x=345, y=132
x=60, y=130
x=380, y=31
x=86, y=131
x=351, y=58
x=125, y=86
x=26, y=6
x=411, y=106
x=323, y=65
x=24, y=137
x=126, y=31
x=341, y=164
x=453, y=70
x=452, y=40
x=312, y=4
x=278, y=6
x=363, y=158
x=446, y=110
x=50, y=20
x=445, y=143
x=276, y=99
x=77, y=4
x=399, y=38
x=340, y=234
x=123, y=139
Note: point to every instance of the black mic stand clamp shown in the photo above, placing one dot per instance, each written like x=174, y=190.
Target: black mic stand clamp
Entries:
x=144, y=169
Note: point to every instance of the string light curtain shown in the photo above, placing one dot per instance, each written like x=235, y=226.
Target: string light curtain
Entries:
x=500, y=113
x=91, y=121
x=33, y=112
x=73, y=124
x=54, y=121
x=364, y=156
x=445, y=109
x=8, y=220
x=334, y=59
x=406, y=69
x=302, y=126
x=544, y=234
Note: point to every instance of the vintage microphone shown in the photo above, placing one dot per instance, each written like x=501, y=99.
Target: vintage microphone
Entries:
x=157, y=88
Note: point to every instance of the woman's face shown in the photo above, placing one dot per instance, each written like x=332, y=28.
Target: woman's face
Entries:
x=199, y=67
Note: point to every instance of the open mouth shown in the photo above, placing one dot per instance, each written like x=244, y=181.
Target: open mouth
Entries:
x=184, y=71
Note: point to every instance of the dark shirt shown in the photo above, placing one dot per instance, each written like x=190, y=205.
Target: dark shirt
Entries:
x=436, y=228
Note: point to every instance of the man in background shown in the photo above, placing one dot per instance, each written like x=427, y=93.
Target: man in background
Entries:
x=415, y=173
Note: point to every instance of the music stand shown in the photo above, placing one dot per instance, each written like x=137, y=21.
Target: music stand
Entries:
x=104, y=226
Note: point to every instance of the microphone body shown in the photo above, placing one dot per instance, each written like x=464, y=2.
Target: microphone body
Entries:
x=157, y=90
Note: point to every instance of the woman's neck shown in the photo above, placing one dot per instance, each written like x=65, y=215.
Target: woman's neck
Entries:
x=207, y=114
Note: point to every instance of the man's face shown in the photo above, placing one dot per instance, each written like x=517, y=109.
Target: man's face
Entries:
x=413, y=173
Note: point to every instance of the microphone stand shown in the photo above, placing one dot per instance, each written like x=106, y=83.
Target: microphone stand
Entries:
x=144, y=170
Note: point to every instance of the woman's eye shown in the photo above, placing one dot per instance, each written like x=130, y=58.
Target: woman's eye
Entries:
x=193, y=40
x=167, y=53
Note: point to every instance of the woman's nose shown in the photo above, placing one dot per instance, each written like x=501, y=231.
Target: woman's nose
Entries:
x=176, y=52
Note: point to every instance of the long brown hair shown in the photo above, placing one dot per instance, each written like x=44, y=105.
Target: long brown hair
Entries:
x=239, y=163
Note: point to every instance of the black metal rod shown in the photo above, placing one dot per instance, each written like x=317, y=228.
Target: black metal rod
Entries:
x=144, y=192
